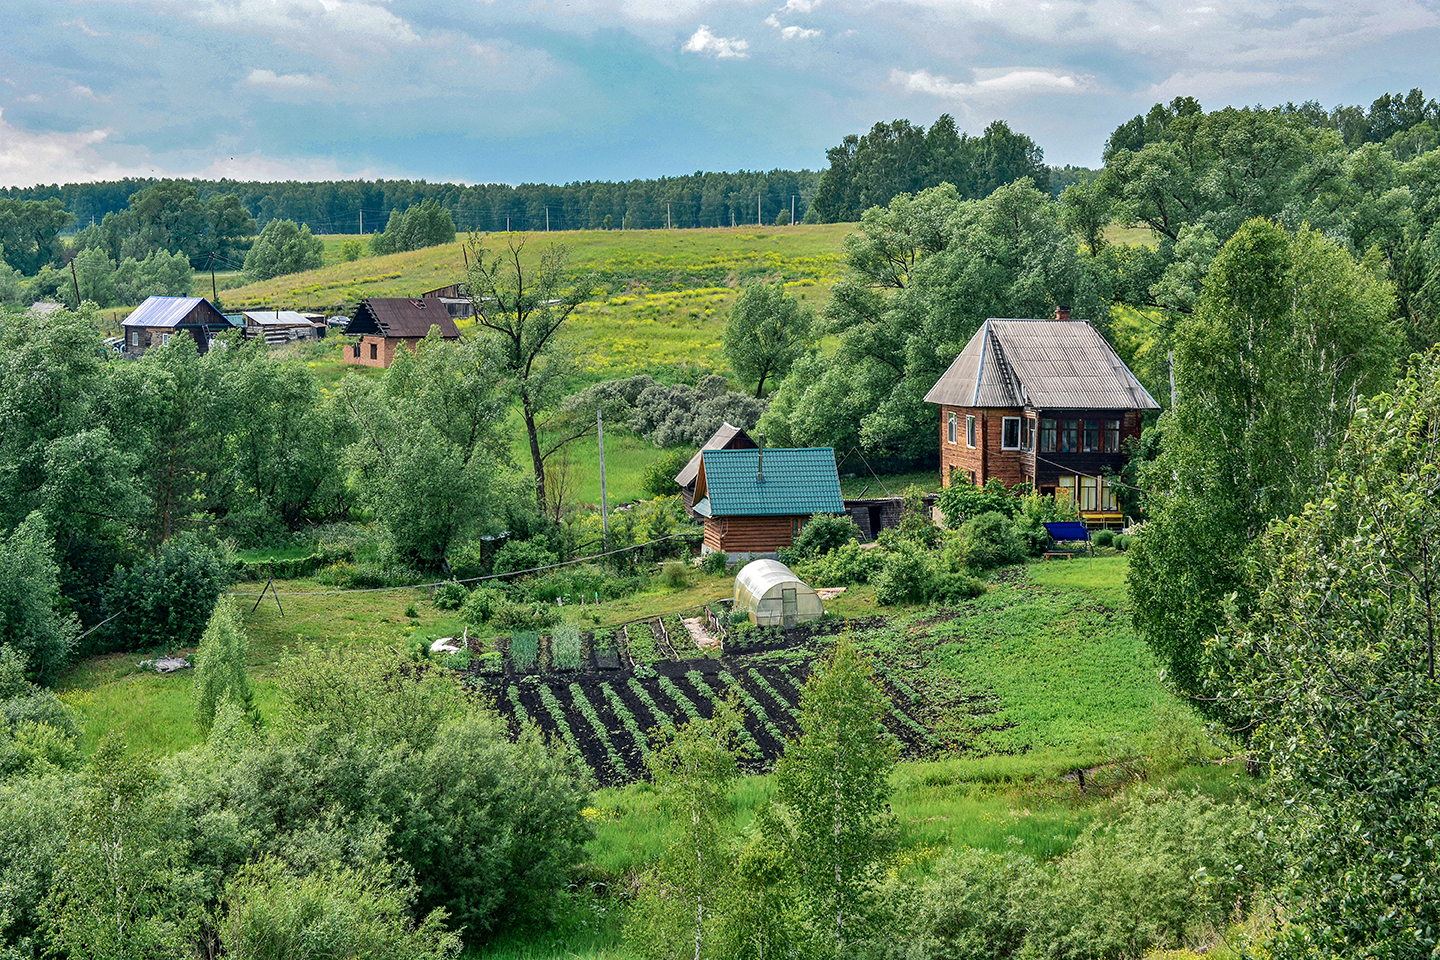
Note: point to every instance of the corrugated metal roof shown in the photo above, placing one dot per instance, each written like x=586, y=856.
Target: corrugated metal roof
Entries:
x=167, y=312
x=402, y=317
x=277, y=318
x=1045, y=364
x=797, y=482
x=721, y=439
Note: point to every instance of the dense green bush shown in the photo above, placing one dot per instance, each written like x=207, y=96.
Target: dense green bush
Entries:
x=987, y=541
x=1103, y=538
x=1037, y=510
x=953, y=587
x=166, y=601
x=822, y=534
x=37, y=730
x=450, y=596
x=962, y=500
x=480, y=606
x=1122, y=541
x=220, y=672
x=715, y=562
x=658, y=479
x=272, y=911
x=851, y=564
x=523, y=555
x=973, y=907
x=906, y=575
x=516, y=615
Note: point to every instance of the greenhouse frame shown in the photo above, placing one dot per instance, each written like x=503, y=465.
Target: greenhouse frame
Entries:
x=772, y=596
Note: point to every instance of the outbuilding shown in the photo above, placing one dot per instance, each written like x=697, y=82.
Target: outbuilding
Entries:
x=772, y=596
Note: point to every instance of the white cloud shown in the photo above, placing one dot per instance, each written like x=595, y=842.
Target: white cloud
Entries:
x=300, y=24
x=800, y=6
x=31, y=158
x=792, y=32
x=270, y=80
x=1215, y=83
x=1000, y=84
x=721, y=48
x=83, y=27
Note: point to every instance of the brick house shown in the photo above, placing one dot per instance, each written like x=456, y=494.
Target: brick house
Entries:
x=754, y=502
x=387, y=323
x=1045, y=402
x=158, y=319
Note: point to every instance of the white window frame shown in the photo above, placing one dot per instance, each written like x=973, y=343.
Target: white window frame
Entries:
x=970, y=430
x=952, y=429
x=1005, y=429
x=134, y=338
x=164, y=339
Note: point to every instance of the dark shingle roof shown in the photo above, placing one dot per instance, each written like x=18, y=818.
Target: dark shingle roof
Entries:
x=725, y=438
x=1045, y=364
x=797, y=482
x=172, y=312
x=402, y=317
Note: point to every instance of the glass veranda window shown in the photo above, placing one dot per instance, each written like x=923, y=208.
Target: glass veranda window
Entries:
x=1088, y=488
x=1092, y=436
x=1047, y=436
x=1069, y=436
x=1112, y=436
x=1010, y=434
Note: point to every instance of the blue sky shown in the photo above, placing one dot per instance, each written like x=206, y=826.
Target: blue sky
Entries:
x=561, y=90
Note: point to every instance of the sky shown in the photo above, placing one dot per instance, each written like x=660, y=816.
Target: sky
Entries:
x=568, y=90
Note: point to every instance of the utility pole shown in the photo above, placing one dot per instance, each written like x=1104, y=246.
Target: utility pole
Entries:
x=1171, y=357
x=507, y=224
x=547, y=219
x=362, y=223
x=667, y=214
x=214, y=294
x=758, y=221
x=792, y=209
x=604, y=505
x=76, y=281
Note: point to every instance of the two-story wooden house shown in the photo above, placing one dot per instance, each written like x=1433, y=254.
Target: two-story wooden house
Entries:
x=1045, y=402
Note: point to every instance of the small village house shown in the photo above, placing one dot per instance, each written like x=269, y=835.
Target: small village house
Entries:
x=753, y=502
x=158, y=319
x=1045, y=402
x=728, y=437
x=281, y=326
x=385, y=324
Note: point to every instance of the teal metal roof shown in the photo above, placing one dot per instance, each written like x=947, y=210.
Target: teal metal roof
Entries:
x=796, y=482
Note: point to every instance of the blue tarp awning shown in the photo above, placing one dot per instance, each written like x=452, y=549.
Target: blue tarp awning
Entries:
x=1067, y=530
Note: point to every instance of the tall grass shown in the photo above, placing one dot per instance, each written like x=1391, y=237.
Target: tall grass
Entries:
x=524, y=650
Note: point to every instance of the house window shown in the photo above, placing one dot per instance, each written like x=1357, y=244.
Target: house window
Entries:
x=1112, y=436
x=1069, y=436
x=374, y=352
x=1047, y=436
x=1027, y=434
x=951, y=431
x=1107, y=498
x=1091, y=433
x=1010, y=433
x=1089, y=487
x=134, y=338
x=1065, y=489
x=164, y=338
x=357, y=351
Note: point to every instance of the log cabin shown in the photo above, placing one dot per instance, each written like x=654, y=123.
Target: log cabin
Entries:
x=754, y=502
x=158, y=319
x=384, y=324
x=1043, y=402
x=728, y=437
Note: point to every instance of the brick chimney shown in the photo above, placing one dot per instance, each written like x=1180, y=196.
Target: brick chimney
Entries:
x=1062, y=313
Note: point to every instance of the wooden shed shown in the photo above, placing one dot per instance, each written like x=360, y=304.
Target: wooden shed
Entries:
x=772, y=596
x=728, y=437
x=385, y=324
x=754, y=502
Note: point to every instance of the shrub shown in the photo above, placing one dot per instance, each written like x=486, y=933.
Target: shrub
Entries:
x=220, y=665
x=906, y=576
x=715, y=562
x=1036, y=510
x=955, y=587
x=272, y=911
x=658, y=479
x=450, y=596
x=824, y=533
x=962, y=501
x=29, y=593
x=989, y=540
x=973, y=905
x=675, y=575
x=851, y=564
x=523, y=555
x=525, y=616
x=479, y=608
x=1122, y=541
x=166, y=601
x=1103, y=538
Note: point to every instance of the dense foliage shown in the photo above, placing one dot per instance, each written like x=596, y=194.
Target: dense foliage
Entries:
x=766, y=333
x=425, y=224
x=283, y=247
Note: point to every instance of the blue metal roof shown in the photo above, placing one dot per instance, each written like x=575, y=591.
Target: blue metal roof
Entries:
x=163, y=311
x=796, y=482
